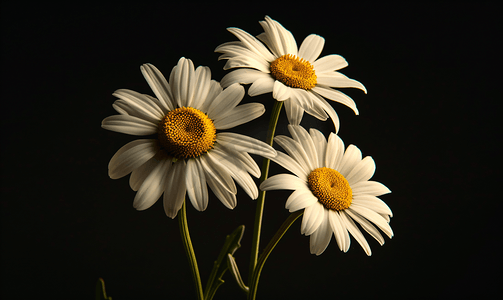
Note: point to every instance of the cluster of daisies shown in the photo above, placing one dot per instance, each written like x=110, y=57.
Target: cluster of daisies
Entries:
x=187, y=147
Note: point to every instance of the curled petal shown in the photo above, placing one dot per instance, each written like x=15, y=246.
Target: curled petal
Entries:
x=283, y=182
x=242, y=76
x=280, y=91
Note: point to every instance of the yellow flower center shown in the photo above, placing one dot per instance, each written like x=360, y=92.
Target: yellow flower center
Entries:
x=186, y=132
x=331, y=188
x=294, y=72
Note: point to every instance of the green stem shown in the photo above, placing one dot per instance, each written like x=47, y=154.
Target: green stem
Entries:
x=263, y=257
x=191, y=255
x=273, y=121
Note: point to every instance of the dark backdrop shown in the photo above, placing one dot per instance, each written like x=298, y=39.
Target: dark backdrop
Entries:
x=430, y=121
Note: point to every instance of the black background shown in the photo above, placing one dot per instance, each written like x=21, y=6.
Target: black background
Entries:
x=429, y=120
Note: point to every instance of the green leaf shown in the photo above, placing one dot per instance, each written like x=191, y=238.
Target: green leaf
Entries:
x=100, y=290
x=231, y=244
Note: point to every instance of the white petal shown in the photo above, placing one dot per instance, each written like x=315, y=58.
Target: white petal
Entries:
x=214, y=91
x=336, y=80
x=245, y=181
x=143, y=106
x=181, y=81
x=373, y=203
x=296, y=151
x=313, y=216
x=337, y=96
x=283, y=182
x=300, y=199
x=363, y=171
x=122, y=107
x=261, y=86
x=238, y=171
x=239, y=142
x=139, y=174
x=271, y=38
x=243, y=76
x=227, y=198
x=320, y=145
x=246, y=62
x=218, y=172
x=290, y=164
x=300, y=135
x=340, y=232
x=280, y=91
x=334, y=152
x=386, y=217
x=366, y=225
x=372, y=188
x=241, y=160
x=281, y=39
x=316, y=109
x=239, y=115
x=159, y=85
x=174, y=189
x=129, y=125
x=264, y=38
x=252, y=43
x=321, y=237
x=131, y=156
x=374, y=218
x=311, y=47
x=329, y=63
x=302, y=96
x=195, y=181
x=329, y=109
x=153, y=186
x=237, y=51
x=350, y=160
x=226, y=101
x=355, y=232
x=202, y=83
x=225, y=47
x=294, y=111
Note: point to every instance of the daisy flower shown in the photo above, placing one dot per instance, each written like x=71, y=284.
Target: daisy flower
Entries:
x=187, y=150
x=294, y=75
x=333, y=188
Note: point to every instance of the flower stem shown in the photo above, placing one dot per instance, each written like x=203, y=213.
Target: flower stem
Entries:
x=263, y=257
x=273, y=121
x=191, y=255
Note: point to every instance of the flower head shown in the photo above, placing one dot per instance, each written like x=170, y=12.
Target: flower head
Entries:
x=294, y=75
x=187, y=150
x=333, y=188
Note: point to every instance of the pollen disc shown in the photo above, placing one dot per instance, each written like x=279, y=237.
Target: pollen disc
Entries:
x=331, y=188
x=294, y=72
x=186, y=132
